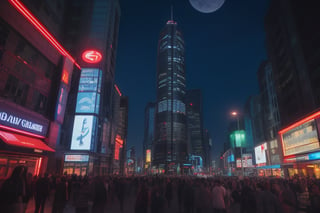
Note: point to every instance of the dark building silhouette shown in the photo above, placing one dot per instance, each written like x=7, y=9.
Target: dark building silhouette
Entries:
x=123, y=131
x=293, y=45
x=269, y=101
x=170, y=145
x=195, y=123
x=149, y=132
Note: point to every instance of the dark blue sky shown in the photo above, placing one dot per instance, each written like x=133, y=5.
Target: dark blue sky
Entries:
x=223, y=52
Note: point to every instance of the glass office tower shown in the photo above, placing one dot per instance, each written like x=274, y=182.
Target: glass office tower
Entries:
x=170, y=145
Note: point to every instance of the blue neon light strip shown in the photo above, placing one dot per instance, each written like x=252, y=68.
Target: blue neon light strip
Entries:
x=270, y=167
x=314, y=156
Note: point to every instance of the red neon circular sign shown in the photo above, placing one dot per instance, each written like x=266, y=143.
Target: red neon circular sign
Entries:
x=91, y=56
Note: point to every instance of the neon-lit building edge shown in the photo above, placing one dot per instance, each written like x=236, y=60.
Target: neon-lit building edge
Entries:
x=301, y=147
x=31, y=112
x=91, y=142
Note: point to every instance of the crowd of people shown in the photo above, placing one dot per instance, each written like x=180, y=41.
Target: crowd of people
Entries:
x=159, y=194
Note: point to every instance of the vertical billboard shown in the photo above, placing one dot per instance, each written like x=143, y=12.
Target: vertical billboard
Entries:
x=88, y=99
x=260, y=153
x=83, y=132
x=118, y=146
x=148, y=155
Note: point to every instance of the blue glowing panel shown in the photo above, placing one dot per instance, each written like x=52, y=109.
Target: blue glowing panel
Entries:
x=90, y=80
x=87, y=102
x=314, y=156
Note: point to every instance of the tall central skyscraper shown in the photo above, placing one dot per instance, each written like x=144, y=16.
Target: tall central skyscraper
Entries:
x=170, y=145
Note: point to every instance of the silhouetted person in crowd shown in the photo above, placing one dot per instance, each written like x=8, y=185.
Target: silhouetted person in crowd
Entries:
x=180, y=194
x=27, y=181
x=169, y=192
x=315, y=198
x=41, y=193
x=99, y=195
x=82, y=195
x=142, y=200
x=267, y=202
x=218, y=197
x=60, y=195
x=188, y=198
x=13, y=192
x=248, y=200
x=158, y=200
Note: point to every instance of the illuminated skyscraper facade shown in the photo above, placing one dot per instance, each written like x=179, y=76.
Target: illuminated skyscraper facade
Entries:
x=170, y=145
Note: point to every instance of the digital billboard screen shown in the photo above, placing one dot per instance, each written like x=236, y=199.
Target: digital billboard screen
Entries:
x=300, y=139
x=238, y=138
x=83, y=132
x=90, y=80
x=88, y=102
x=260, y=153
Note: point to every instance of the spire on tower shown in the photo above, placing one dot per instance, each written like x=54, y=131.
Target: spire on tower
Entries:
x=171, y=12
x=171, y=21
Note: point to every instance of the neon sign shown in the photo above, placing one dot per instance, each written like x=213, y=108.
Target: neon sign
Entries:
x=16, y=121
x=91, y=56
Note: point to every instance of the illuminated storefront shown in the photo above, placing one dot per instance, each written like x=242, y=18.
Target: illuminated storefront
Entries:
x=267, y=159
x=22, y=138
x=300, y=143
x=79, y=164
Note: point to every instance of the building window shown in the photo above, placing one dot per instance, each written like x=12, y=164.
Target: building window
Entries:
x=16, y=90
x=39, y=102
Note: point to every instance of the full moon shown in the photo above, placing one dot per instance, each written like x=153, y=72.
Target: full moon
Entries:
x=206, y=6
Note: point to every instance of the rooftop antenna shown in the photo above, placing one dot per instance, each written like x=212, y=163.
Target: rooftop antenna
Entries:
x=171, y=12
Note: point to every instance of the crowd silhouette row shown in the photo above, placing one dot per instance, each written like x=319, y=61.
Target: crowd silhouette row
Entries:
x=160, y=194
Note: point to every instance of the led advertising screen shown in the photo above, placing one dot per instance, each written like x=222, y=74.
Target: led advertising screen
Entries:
x=301, y=139
x=231, y=158
x=83, y=132
x=90, y=80
x=88, y=102
x=247, y=160
x=260, y=153
x=238, y=138
x=148, y=156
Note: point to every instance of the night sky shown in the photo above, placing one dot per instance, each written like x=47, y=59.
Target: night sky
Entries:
x=223, y=53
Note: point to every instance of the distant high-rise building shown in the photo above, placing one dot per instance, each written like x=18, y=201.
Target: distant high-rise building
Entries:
x=207, y=149
x=194, y=123
x=293, y=45
x=123, y=130
x=170, y=145
x=149, y=131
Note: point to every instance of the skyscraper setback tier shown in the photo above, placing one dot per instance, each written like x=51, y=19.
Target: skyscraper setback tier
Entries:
x=170, y=145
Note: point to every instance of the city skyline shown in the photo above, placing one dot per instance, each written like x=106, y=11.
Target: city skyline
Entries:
x=215, y=44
